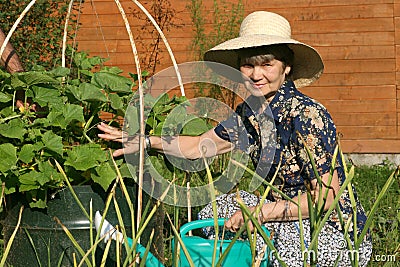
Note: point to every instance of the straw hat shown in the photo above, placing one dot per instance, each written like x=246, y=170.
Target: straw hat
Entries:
x=264, y=28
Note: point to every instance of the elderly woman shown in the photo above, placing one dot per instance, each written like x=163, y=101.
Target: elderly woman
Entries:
x=273, y=66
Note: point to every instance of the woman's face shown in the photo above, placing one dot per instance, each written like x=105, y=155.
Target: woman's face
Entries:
x=263, y=77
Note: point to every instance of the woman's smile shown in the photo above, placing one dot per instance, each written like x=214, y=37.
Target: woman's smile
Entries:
x=258, y=85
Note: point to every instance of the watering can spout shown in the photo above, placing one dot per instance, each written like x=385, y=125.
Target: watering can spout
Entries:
x=108, y=231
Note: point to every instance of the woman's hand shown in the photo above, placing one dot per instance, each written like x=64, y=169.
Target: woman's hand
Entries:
x=284, y=210
x=130, y=143
x=236, y=221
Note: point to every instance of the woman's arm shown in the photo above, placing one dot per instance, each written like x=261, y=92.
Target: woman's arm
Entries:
x=284, y=210
x=191, y=147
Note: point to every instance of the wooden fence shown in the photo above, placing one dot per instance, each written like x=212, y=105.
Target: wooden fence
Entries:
x=358, y=40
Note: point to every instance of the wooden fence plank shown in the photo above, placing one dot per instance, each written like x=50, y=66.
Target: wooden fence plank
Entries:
x=344, y=39
x=349, y=11
x=359, y=119
x=370, y=146
x=366, y=65
x=352, y=93
x=120, y=33
x=367, y=132
x=356, y=52
x=397, y=49
x=356, y=106
x=353, y=79
x=344, y=26
x=396, y=9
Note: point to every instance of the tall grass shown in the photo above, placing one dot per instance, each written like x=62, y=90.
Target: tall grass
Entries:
x=385, y=225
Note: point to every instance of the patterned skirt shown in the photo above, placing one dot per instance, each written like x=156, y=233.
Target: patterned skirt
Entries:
x=332, y=246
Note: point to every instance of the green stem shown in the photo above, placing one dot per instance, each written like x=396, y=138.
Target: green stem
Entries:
x=214, y=207
x=72, y=190
x=329, y=211
x=89, y=122
x=9, y=118
x=255, y=223
x=300, y=215
x=269, y=184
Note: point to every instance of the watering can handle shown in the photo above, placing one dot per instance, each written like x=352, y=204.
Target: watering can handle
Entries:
x=205, y=223
x=199, y=224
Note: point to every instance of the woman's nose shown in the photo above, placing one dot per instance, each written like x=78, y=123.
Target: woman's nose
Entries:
x=257, y=73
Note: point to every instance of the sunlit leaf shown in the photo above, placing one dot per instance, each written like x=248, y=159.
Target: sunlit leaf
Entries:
x=13, y=129
x=104, y=175
x=88, y=92
x=160, y=129
x=195, y=126
x=86, y=156
x=73, y=112
x=116, y=102
x=38, y=203
x=56, y=118
x=36, y=77
x=49, y=174
x=60, y=71
x=64, y=116
x=114, y=82
x=5, y=97
x=53, y=142
x=132, y=125
x=8, y=157
x=43, y=96
x=27, y=153
x=29, y=180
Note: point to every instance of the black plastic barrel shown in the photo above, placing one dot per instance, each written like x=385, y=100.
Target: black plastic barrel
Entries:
x=51, y=246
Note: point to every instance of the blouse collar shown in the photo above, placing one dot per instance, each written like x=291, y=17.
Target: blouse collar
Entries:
x=278, y=104
x=282, y=99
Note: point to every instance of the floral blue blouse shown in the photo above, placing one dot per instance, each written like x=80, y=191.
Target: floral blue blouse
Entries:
x=277, y=135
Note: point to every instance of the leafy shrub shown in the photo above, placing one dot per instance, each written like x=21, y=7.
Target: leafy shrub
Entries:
x=62, y=127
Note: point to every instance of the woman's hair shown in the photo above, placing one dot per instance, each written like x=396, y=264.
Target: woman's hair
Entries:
x=259, y=55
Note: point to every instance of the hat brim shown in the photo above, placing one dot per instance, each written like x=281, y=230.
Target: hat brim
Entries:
x=307, y=63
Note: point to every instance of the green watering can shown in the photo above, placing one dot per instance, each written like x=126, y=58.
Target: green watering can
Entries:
x=199, y=249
